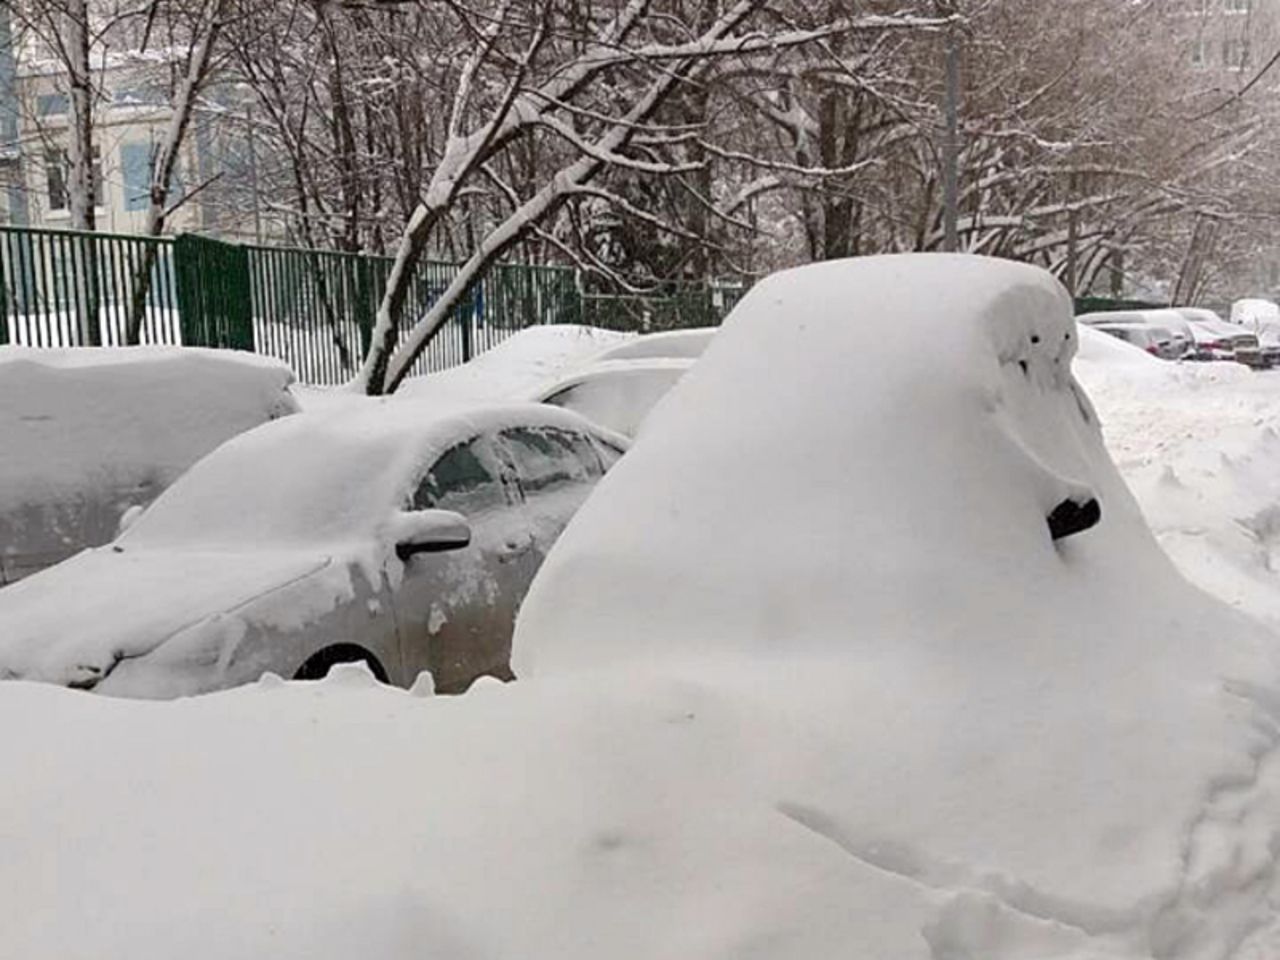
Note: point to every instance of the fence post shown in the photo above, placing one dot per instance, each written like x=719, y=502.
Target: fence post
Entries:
x=215, y=307
x=465, y=318
x=6, y=260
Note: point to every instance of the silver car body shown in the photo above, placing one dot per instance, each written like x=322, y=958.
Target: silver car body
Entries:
x=288, y=549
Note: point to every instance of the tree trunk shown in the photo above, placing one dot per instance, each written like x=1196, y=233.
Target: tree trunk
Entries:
x=166, y=161
x=80, y=185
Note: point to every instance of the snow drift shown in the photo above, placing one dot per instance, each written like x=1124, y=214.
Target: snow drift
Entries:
x=807, y=678
x=870, y=529
x=1198, y=445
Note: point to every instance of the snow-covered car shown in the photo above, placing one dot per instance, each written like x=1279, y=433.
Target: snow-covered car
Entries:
x=985, y=690
x=86, y=433
x=620, y=385
x=1218, y=340
x=617, y=394
x=399, y=534
x=1157, y=341
x=514, y=368
x=677, y=344
x=1181, y=334
x=1262, y=318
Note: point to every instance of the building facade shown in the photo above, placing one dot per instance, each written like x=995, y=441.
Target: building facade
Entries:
x=131, y=112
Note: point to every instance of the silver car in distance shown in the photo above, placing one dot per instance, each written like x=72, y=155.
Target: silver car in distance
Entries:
x=395, y=533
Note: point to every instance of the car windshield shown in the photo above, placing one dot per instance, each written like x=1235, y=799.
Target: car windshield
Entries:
x=282, y=486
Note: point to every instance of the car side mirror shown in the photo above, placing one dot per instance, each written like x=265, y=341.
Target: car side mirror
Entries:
x=1073, y=516
x=430, y=531
x=128, y=518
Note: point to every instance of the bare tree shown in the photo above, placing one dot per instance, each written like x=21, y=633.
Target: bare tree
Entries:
x=596, y=99
x=205, y=24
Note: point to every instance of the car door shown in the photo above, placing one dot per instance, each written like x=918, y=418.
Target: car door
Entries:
x=455, y=611
x=557, y=469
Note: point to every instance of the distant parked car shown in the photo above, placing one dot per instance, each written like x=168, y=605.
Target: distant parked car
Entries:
x=398, y=534
x=1182, y=336
x=1262, y=318
x=688, y=344
x=617, y=394
x=86, y=433
x=620, y=385
x=1156, y=341
x=1218, y=340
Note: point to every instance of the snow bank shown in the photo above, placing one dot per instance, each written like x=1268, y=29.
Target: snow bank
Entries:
x=87, y=432
x=1198, y=445
x=870, y=530
x=929, y=735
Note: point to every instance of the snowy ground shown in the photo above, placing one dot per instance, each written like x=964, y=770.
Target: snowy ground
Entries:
x=746, y=812
x=1199, y=445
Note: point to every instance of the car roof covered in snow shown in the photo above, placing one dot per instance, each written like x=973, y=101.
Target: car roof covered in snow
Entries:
x=621, y=368
x=72, y=420
x=331, y=474
x=515, y=366
x=688, y=344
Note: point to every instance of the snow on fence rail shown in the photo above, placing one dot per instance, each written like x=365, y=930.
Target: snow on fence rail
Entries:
x=311, y=308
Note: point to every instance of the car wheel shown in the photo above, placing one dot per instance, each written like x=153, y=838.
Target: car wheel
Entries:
x=318, y=664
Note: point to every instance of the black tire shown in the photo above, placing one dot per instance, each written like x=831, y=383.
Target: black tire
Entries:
x=317, y=665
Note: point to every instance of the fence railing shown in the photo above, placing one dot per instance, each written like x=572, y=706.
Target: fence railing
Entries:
x=313, y=309
x=66, y=288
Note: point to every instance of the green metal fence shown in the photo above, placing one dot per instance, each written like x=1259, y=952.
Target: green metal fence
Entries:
x=313, y=309
x=316, y=308
x=674, y=306
x=65, y=288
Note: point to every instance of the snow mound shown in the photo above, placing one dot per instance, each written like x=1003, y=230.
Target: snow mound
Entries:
x=870, y=529
x=1199, y=444
x=931, y=735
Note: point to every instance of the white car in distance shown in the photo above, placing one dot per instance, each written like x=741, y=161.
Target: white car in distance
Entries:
x=619, y=386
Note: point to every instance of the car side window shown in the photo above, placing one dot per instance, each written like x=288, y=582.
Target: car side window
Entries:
x=584, y=450
x=547, y=457
x=565, y=397
x=609, y=453
x=464, y=479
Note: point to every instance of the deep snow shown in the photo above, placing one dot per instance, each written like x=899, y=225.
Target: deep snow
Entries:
x=926, y=732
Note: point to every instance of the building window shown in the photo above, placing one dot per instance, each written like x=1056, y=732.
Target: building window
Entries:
x=1235, y=54
x=143, y=96
x=137, y=165
x=1236, y=6
x=136, y=161
x=52, y=105
x=1200, y=52
x=56, y=174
